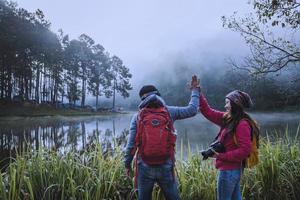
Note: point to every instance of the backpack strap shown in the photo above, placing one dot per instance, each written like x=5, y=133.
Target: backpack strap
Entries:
x=251, y=132
x=235, y=140
x=254, y=133
x=137, y=142
x=141, y=113
x=171, y=123
x=170, y=126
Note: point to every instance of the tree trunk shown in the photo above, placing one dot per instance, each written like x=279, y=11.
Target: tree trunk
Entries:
x=26, y=88
x=30, y=87
x=44, y=85
x=2, y=78
x=114, y=97
x=49, y=88
x=83, y=90
x=21, y=86
x=55, y=93
x=10, y=84
x=97, y=96
x=83, y=94
x=37, y=85
x=62, y=93
x=83, y=135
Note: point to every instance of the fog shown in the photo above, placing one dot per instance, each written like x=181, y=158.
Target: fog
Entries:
x=150, y=35
x=162, y=42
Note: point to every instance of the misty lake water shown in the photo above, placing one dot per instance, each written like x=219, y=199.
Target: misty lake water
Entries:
x=77, y=133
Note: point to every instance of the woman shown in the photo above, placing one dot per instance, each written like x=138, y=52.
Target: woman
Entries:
x=235, y=135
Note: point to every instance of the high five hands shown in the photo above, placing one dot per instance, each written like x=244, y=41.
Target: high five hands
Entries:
x=195, y=83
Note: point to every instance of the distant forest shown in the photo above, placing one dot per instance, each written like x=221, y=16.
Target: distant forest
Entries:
x=40, y=66
x=269, y=92
x=270, y=73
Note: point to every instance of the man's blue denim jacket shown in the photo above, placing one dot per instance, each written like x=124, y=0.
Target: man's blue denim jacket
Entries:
x=175, y=113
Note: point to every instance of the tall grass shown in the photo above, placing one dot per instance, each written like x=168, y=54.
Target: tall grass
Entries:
x=47, y=175
x=278, y=174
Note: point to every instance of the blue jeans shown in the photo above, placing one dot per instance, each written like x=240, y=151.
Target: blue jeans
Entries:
x=229, y=185
x=162, y=175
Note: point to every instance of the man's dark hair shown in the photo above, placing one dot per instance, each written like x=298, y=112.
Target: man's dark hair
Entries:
x=147, y=89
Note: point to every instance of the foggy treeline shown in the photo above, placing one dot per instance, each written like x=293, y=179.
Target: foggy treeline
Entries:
x=39, y=65
x=269, y=92
x=269, y=73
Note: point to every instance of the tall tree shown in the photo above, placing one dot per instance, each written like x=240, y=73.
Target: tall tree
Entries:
x=121, y=77
x=72, y=72
x=36, y=63
x=85, y=62
x=100, y=75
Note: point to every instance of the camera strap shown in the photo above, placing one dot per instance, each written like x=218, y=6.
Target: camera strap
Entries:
x=220, y=132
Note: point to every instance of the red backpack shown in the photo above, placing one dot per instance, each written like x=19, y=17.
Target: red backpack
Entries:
x=155, y=138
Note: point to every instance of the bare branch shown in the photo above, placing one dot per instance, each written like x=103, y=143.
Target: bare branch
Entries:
x=232, y=63
x=266, y=42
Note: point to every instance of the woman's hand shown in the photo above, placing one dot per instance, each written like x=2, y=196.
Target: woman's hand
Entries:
x=195, y=83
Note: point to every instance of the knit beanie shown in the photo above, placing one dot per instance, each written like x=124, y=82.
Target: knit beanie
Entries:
x=240, y=98
x=147, y=90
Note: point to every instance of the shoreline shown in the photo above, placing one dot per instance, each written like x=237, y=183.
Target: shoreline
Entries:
x=84, y=114
x=45, y=111
x=35, y=111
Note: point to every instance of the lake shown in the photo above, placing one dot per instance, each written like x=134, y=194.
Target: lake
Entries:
x=78, y=133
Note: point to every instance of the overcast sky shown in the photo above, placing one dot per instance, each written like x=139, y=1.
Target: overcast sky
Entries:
x=148, y=34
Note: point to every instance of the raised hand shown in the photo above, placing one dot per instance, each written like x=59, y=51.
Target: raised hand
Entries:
x=195, y=82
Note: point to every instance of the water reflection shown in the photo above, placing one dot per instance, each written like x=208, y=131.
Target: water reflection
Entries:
x=58, y=134
x=80, y=133
x=197, y=132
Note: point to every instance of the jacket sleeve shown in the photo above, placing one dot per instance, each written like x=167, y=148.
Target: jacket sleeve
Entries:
x=187, y=111
x=243, y=137
x=212, y=115
x=129, y=154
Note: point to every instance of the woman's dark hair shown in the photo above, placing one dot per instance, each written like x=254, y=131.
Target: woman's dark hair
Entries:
x=232, y=119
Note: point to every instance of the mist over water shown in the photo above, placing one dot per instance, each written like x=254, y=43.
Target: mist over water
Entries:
x=78, y=133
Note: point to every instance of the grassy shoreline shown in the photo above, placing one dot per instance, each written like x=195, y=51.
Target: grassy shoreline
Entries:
x=42, y=111
x=47, y=174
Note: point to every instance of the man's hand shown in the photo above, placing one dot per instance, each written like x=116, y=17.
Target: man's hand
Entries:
x=128, y=172
x=195, y=83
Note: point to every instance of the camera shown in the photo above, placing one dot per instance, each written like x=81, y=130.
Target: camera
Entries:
x=216, y=146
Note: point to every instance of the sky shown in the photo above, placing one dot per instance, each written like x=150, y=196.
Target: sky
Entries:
x=149, y=34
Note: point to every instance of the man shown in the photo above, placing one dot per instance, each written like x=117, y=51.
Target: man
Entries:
x=159, y=169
